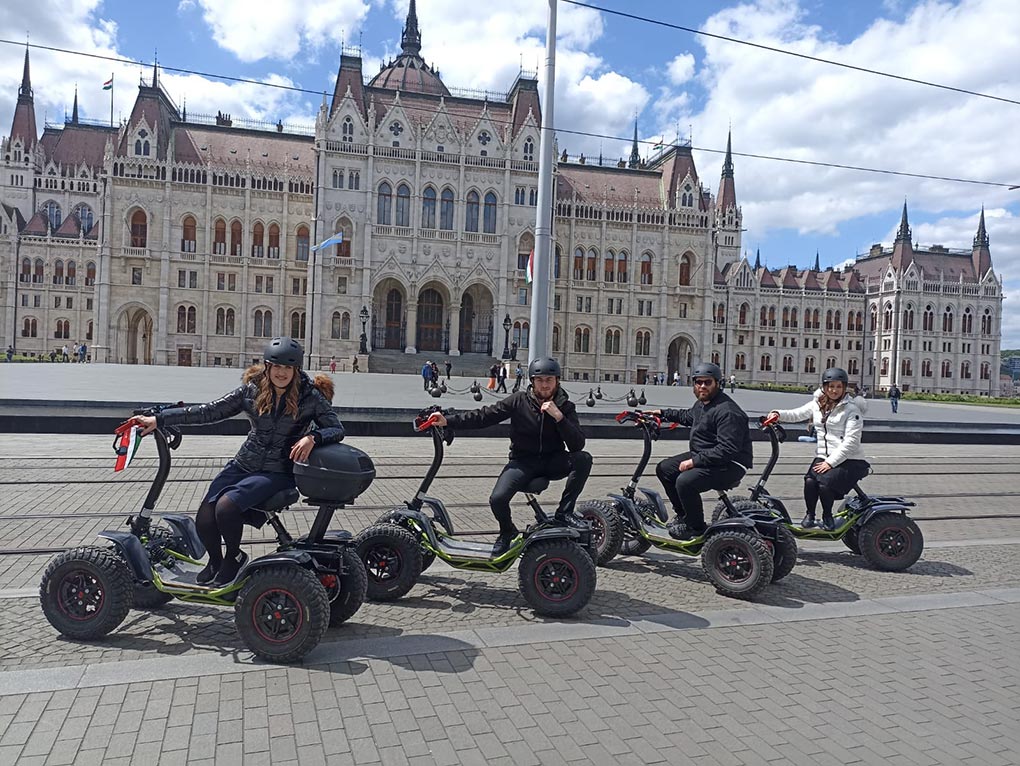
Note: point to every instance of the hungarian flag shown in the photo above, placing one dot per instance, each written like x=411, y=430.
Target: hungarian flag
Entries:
x=130, y=436
x=661, y=144
x=108, y=85
x=529, y=273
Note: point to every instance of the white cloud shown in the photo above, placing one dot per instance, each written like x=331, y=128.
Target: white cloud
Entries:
x=681, y=69
x=270, y=29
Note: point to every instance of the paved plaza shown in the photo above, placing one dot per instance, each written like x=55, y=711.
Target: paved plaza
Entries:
x=837, y=664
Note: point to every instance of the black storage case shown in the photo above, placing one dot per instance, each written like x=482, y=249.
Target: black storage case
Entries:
x=335, y=474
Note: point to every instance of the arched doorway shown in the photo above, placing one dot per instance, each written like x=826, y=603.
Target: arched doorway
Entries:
x=394, y=319
x=467, y=323
x=679, y=359
x=475, y=321
x=429, y=332
x=134, y=331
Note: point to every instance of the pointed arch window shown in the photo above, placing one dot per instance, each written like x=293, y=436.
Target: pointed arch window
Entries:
x=58, y=272
x=384, y=204
x=139, y=229
x=347, y=131
x=646, y=269
x=610, y=266
x=297, y=324
x=403, y=217
x=235, y=238
x=188, y=234
x=489, y=217
x=684, y=277
x=274, y=241
x=578, y=269
x=428, y=208
x=303, y=245
x=90, y=274
x=72, y=273
x=745, y=309
x=258, y=237
x=621, y=267
x=947, y=321
x=85, y=215
x=529, y=150
x=471, y=210
x=53, y=214
x=446, y=210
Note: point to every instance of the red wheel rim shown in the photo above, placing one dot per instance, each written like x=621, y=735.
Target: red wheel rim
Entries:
x=892, y=543
x=383, y=562
x=556, y=579
x=80, y=595
x=598, y=529
x=277, y=616
x=734, y=562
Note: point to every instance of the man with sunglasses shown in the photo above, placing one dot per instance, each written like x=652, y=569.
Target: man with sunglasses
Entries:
x=720, y=451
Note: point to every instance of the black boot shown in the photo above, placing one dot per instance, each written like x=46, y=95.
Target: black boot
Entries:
x=571, y=521
x=828, y=523
x=679, y=530
x=503, y=542
x=809, y=520
x=206, y=575
x=231, y=565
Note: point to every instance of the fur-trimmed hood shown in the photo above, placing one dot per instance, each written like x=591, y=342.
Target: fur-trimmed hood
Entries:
x=322, y=382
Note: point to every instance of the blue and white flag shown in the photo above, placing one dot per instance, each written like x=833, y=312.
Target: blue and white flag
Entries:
x=336, y=239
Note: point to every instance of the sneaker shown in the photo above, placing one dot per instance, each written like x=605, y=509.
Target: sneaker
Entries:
x=678, y=530
x=229, y=568
x=828, y=523
x=570, y=520
x=207, y=575
x=808, y=521
x=503, y=543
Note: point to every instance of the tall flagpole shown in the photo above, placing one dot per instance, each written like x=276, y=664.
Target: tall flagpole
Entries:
x=111, y=99
x=538, y=345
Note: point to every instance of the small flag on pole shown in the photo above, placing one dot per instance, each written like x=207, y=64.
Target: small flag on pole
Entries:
x=127, y=445
x=659, y=145
x=108, y=85
x=336, y=239
x=529, y=274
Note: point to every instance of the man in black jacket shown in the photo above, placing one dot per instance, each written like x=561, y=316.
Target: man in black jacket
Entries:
x=545, y=440
x=720, y=451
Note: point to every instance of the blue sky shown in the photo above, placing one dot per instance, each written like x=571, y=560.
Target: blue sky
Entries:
x=611, y=68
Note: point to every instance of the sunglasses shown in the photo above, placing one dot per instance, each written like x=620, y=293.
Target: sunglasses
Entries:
x=704, y=383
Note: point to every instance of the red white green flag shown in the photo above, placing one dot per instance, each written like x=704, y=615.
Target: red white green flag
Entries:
x=529, y=274
x=127, y=445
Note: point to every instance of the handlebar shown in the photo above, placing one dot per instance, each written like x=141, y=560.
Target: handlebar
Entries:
x=155, y=409
x=766, y=422
x=650, y=422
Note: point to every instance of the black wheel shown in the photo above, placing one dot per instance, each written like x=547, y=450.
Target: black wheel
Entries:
x=632, y=543
x=891, y=542
x=852, y=540
x=352, y=586
x=392, y=558
x=739, y=564
x=556, y=577
x=606, y=528
x=784, y=555
x=86, y=592
x=282, y=612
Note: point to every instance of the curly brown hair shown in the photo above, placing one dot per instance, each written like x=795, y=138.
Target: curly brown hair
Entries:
x=265, y=399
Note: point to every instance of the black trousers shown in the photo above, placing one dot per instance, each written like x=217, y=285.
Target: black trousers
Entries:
x=575, y=466
x=684, y=488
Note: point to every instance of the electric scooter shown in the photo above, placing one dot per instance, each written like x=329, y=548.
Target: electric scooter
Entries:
x=876, y=527
x=556, y=574
x=740, y=559
x=283, y=601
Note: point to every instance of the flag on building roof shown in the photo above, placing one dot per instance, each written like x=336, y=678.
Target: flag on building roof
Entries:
x=336, y=239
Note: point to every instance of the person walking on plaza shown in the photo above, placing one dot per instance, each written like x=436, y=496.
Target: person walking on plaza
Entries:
x=10, y=353
x=435, y=373
x=545, y=440
x=894, y=398
x=518, y=377
x=354, y=364
x=502, y=375
x=282, y=403
x=64, y=352
x=839, y=459
x=426, y=375
x=720, y=451
x=332, y=365
x=493, y=373
x=449, y=367
x=733, y=383
x=676, y=378
x=82, y=353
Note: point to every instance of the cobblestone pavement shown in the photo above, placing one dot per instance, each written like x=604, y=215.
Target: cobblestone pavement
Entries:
x=860, y=686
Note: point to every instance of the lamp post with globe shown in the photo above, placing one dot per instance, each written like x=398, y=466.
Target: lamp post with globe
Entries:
x=507, y=324
x=363, y=316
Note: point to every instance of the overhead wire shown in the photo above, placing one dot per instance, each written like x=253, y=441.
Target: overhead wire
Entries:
x=501, y=122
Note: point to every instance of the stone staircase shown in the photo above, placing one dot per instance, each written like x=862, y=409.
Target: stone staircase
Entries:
x=464, y=366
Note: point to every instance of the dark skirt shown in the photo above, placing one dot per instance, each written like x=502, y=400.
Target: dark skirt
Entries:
x=839, y=480
x=247, y=490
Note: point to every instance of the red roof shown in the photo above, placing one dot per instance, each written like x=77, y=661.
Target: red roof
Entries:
x=594, y=184
x=71, y=227
x=38, y=225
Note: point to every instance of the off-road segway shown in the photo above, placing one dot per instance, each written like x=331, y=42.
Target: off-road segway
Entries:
x=283, y=602
x=877, y=528
x=740, y=559
x=556, y=574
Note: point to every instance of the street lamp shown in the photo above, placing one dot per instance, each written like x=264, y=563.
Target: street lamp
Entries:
x=363, y=316
x=507, y=324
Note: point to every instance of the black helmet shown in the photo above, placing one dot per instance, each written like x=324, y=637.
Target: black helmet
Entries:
x=707, y=370
x=284, y=351
x=544, y=366
x=835, y=375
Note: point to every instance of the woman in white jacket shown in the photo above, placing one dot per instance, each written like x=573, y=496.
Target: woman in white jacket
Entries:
x=839, y=459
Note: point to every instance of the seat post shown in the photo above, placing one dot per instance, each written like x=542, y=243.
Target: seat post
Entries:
x=540, y=514
x=321, y=523
x=282, y=535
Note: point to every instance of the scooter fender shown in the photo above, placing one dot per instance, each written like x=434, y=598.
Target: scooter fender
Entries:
x=656, y=499
x=628, y=511
x=737, y=523
x=184, y=527
x=130, y=547
x=294, y=557
x=399, y=515
x=552, y=533
x=872, y=512
x=774, y=503
x=441, y=515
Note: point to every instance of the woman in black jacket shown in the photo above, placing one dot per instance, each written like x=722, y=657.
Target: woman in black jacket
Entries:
x=281, y=402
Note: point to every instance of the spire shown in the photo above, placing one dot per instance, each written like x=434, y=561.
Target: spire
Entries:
x=817, y=264
x=155, y=71
x=635, y=153
x=26, y=79
x=727, y=168
x=904, y=234
x=981, y=238
x=23, y=126
x=410, y=40
x=757, y=259
x=74, y=110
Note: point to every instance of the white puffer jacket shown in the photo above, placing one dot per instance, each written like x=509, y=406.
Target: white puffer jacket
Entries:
x=839, y=437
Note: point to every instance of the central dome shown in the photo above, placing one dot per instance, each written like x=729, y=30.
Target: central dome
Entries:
x=409, y=73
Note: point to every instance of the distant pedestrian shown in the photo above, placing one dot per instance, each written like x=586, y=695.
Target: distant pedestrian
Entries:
x=82, y=353
x=502, y=375
x=513, y=351
x=332, y=365
x=676, y=378
x=518, y=377
x=354, y=364
x=426, y=375
x=448, y=367
x=493, y=373
x=894, y=398
x=53, y=355
x=65, y=355
x=435, y=373
x=733, y=383
x=10, y=353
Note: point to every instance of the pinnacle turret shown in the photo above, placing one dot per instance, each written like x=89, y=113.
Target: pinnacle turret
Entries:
x=410, y=40
x=727, y=168
x=904, y=234
x=74, y=110
x=981, y=238
x=635, y=153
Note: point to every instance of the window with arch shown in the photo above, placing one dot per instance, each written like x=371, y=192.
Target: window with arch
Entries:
x=612, y=345
x=967, y=322
x=446, y=210
x=90, y=274
x=578, y=270
x=643, y=346
x=740, y=361
x=189, y=229
x=403, y=212
x=489, y=214
x=908, y=318
x=828, y=320
x=926, y=369
x=873, y=326
x=338, y=178
x=986, y=371
x=258, y=238
x=384, y=203
x=29, y=328
x=235, y=237
x=297, y=324
x=58, y=272
x=521, y=334
x=219, y=237
x=609, y=270
x=303, y=245
x=344, y=227
x=852, y=367
x=592, y=265
x=884, y=368
x=582, y=340
x=26, y=270
x=816, y=322
x=263, y=324
x=274, y=241
x=224, y=321
x=715, y=357
x=621, y=267
x=850, y=323
x=830, y=362
x=646, y=269
x=906, y=368
x=947, y=369
x=947, y=320
x=39, y=271
x=788, y=364
x=684, y=277
x=986, y=322
x=88, y=330
x=62, y=329
x=786, y=316
x=556, y=262
x=765, y=363
x=929, y=319
x=186, y=316
x=556, y=338
x=529, y=150
x=763, y=317
x=471, y=211
x=965, y=370
x=340, y=326
x=139, y=229
x=85, y=215
x=347, y=131
x=887, y=318
x=745, y=309
x=72, y=273
x=809, y=364
x=428, y=208
x=53, y=214
x=720, y=313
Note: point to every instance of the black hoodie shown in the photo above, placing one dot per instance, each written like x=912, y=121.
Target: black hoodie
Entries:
x=533, y=433
x=719, y=432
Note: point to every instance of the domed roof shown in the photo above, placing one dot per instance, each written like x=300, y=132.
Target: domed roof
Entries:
x=408, y=71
